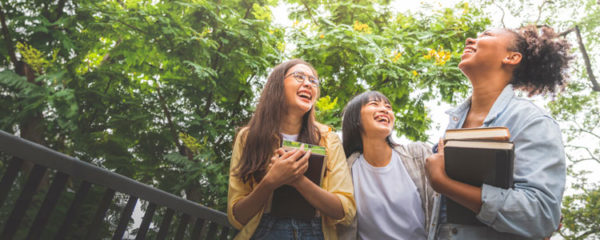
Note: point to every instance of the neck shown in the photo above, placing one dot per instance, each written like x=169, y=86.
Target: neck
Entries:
x=291, y=124
x=487, y=86
x=376, y=151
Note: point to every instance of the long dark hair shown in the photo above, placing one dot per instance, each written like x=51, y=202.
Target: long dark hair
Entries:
x=352, y=125
x=262, y=133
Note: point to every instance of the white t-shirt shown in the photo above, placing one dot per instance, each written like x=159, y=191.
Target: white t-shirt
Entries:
x=289, y=137
x=388, y=204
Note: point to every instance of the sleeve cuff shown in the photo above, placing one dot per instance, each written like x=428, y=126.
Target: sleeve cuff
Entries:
x=492, y=199
x=348, y=213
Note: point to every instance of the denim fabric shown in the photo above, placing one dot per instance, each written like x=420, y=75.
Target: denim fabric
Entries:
x=532, y=208
x=272, y=228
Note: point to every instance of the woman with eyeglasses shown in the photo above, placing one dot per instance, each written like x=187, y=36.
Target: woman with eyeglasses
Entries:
x=393, y=197
x=496, y=63
x=286, y=111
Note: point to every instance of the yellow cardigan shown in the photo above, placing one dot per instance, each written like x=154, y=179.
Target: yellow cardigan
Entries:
x=336, y=181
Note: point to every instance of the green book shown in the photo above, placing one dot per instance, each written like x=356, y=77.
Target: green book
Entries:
x=287, y=201
x=314, y=149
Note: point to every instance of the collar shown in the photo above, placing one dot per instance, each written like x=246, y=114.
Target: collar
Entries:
x=499, y=105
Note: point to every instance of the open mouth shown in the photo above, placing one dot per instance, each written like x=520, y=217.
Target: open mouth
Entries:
x=305, y=94
x=469, y=49
x=382, y=119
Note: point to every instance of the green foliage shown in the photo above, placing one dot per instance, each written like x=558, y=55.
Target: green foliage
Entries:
x=581, y=210
x=155, y=90
x=411, y=58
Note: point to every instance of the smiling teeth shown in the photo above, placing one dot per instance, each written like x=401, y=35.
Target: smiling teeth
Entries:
x=303, y=94
x=378, y=118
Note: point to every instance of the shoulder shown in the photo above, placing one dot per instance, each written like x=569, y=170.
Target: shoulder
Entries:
x=523, y=113
x=328, y=137
x=240, y=137
x=414, y=149
x=322, y=128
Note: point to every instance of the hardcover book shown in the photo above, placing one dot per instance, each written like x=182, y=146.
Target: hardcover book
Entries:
x=287, y=201
x=476, y=162
x=487, y=133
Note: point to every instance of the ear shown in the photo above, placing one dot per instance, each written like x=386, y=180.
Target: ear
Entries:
x=512, y=58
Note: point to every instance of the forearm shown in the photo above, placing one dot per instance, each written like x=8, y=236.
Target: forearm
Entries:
x=466, y=195
x=327, y=203
x=247, y=207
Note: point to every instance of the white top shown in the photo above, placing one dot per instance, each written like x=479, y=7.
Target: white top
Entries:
x=289, y=137
x=388, y=204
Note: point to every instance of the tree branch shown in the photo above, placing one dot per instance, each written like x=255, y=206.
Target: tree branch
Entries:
x=566, y=32
x=9, y=44
x=540, y=11
x=588, y=132
x=591, y=231
x=586, y=60
x=169, y=121
x=503, y=14
x=310, y=14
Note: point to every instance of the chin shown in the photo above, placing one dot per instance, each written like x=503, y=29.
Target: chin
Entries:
x=304, y=107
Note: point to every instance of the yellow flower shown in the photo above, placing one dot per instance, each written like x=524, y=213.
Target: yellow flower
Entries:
x=396, y=57
x=322, y=36
x=415, y=73
x=361, y=27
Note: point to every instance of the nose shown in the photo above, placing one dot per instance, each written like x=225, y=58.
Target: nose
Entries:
x=306, y=83
x=470, y=41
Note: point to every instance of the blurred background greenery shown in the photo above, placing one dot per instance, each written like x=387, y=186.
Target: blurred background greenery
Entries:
x=155, y=90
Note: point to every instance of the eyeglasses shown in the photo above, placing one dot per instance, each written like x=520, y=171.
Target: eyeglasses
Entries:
x=301, y=77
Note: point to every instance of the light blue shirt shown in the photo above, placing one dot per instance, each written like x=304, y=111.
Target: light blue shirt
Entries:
x=532, y=208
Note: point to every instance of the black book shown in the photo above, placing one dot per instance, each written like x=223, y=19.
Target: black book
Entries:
x=475, y=163
x=287, y=201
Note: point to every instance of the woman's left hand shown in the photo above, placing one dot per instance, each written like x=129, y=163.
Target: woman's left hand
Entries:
x=435, y=166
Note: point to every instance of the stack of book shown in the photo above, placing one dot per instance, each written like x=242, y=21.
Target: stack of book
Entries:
x=477, y=156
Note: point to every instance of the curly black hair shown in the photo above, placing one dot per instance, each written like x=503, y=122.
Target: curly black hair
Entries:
x=545, y=60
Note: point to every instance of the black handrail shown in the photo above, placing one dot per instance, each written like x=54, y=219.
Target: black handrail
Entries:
x=50, y=159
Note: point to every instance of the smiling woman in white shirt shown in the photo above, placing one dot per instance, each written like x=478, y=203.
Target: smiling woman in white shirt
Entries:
x=392, y=195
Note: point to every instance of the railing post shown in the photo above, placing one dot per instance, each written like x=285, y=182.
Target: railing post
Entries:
x=73, y=211
x=14, y=220
x=141, y=234
x=9, y=177
x=102, y=207
x=165, y=224
x=182, y=226
x=125, y=216
x=57, y=187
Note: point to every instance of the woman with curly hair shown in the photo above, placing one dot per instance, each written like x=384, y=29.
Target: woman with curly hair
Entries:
x=496, y=62
x=286, y=111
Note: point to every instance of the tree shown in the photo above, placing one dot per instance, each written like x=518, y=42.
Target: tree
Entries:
x=365, y=45
x=153, y=90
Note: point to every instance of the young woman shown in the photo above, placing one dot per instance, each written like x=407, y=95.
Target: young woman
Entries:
x=392, y=194
x=286, y=111
x=496, y=62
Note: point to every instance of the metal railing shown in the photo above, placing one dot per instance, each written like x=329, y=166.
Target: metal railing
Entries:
x=207, y=223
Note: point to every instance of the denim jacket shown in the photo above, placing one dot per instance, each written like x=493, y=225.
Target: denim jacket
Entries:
x=530, y=210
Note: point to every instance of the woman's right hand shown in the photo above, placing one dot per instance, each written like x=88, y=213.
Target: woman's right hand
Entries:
x=286, y=167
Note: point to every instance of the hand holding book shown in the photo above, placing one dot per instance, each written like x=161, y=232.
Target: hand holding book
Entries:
x=287, y=200
x=287, y=167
